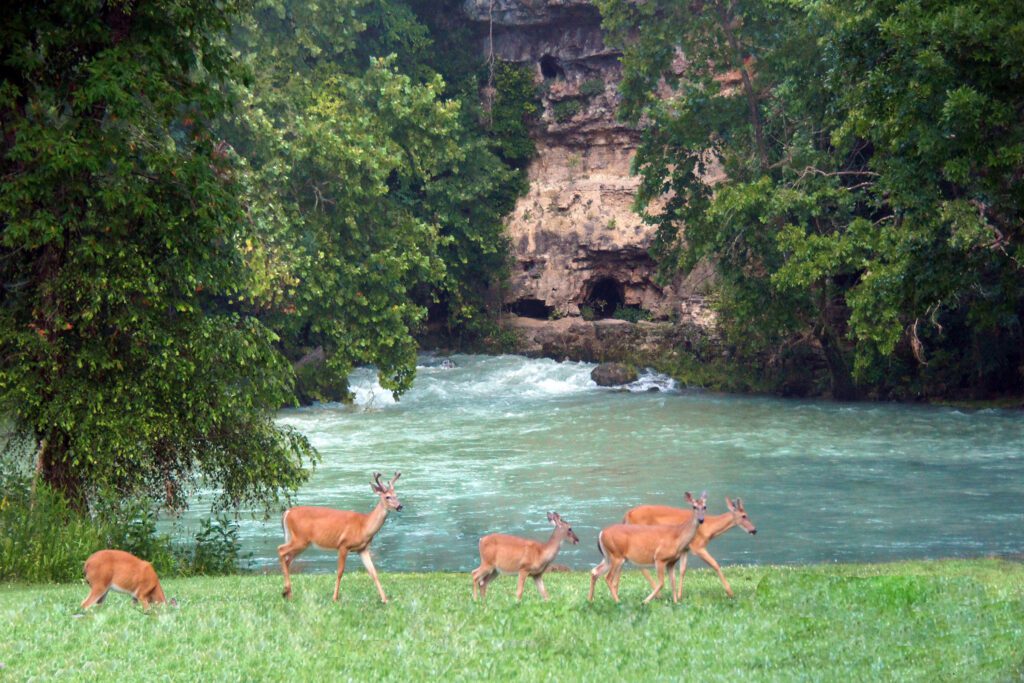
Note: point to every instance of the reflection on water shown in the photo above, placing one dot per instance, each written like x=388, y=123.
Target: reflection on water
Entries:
x=496, y=442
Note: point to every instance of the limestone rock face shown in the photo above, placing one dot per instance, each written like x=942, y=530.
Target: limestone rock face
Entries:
x=578, y=246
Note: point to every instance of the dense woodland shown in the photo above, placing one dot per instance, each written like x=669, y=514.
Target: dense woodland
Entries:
x=195, y=194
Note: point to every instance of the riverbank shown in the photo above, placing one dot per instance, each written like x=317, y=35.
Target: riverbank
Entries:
x=931, y=620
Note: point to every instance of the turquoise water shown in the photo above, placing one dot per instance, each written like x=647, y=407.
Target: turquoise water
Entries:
x=496, y=442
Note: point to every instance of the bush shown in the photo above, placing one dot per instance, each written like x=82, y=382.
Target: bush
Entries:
x=566, y=109
x=214, y=551
x=43, y=539
x=631, y=314
x=592, y=87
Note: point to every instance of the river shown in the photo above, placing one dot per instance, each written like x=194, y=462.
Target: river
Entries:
x=497, y=441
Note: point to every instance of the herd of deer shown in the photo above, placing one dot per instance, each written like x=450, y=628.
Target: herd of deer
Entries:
x=650, y=536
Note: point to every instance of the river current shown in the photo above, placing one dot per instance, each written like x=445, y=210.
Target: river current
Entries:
x=496, y=442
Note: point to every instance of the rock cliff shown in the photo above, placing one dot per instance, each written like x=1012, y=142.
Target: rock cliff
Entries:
x=578, y=245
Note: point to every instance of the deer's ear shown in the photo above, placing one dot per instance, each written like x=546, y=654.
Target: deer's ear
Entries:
x=688, y=498
x=373, y=487
x=551, y=517
x=728, y=504
x=739, y=505
x=704, y=495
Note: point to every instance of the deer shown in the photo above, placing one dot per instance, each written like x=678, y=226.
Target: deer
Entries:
x=514, y=555
x=107, y=570
x=713, y=526
x=659, y=545
x=341, y=530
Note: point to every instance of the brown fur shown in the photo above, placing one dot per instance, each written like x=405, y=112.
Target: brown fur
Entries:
x=658, y=545
x=122, y=571
x=713, y=526
x=522, y=556
x=341, y=530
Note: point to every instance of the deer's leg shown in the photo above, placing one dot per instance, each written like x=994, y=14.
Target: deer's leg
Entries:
x=595, y=574
x=539, y=580
x=478, y=576
x=96, y=596
x=368, y=563
x=660, y=566
x=613, y=576
x=486, y=581
x=519, y=585
x=706, y=556
x=287, y=552
x=342, y=556
x=647, y=575
x=678, y=595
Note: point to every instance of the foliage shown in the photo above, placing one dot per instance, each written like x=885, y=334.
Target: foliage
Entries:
x=631, y=314
x=44, y=539
x=123, y=256
x=515, y=107
x=564, y=110
x=910, y=620
x=592, y=87
x=847, y=168
x=936, y=90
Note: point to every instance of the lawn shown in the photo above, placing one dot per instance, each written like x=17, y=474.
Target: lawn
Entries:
x=941, y=620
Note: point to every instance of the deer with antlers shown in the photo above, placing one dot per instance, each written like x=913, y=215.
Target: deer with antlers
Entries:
x=713, y=526
x=659, y=546
x=514, y=555
x=343, y=530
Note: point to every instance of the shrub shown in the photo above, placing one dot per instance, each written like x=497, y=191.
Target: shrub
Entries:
x=631, y=314
x=43, y=539
x=566, y=109
x=592, y=87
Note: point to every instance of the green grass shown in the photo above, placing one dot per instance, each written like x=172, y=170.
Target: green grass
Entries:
x=943, y=620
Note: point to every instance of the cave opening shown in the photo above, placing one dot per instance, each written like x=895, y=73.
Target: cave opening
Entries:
x=550, y=68
x=606, y=295
x=531, y=308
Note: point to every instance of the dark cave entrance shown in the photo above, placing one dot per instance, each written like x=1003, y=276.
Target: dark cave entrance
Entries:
x=550, y=68
x=531, y=308
x=606, y=295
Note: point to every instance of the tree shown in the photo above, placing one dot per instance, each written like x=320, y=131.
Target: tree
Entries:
x=733, y=112
x=124, y=349
x=850, y=169
x=935, y=91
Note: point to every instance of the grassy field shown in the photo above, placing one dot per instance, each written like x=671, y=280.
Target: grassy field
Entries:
x=943, y=620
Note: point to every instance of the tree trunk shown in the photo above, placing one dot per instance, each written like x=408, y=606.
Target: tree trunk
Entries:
x=843, y=386
x=726, y=20
x=58, y=472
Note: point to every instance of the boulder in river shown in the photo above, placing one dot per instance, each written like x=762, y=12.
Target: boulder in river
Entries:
x=613, y=374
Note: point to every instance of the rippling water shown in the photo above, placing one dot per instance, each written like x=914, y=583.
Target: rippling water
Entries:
x=496, y=442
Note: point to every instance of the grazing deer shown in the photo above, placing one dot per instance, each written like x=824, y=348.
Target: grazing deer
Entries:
x=342, y=530
x=713, y=526
x=514, y=555
x=124, y=573
x=658, y=545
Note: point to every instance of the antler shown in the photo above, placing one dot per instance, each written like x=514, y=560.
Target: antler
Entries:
x=377, y=486
x=391, y=484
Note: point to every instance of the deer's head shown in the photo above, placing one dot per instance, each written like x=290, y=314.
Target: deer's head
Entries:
x=387, y=491
x=739, y=514
x=560, y=523
x=699, y=505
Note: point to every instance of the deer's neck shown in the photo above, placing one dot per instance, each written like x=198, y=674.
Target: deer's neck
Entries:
x=717, y=525
x=375, y=520
x=687, y=530
x=550, y=549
